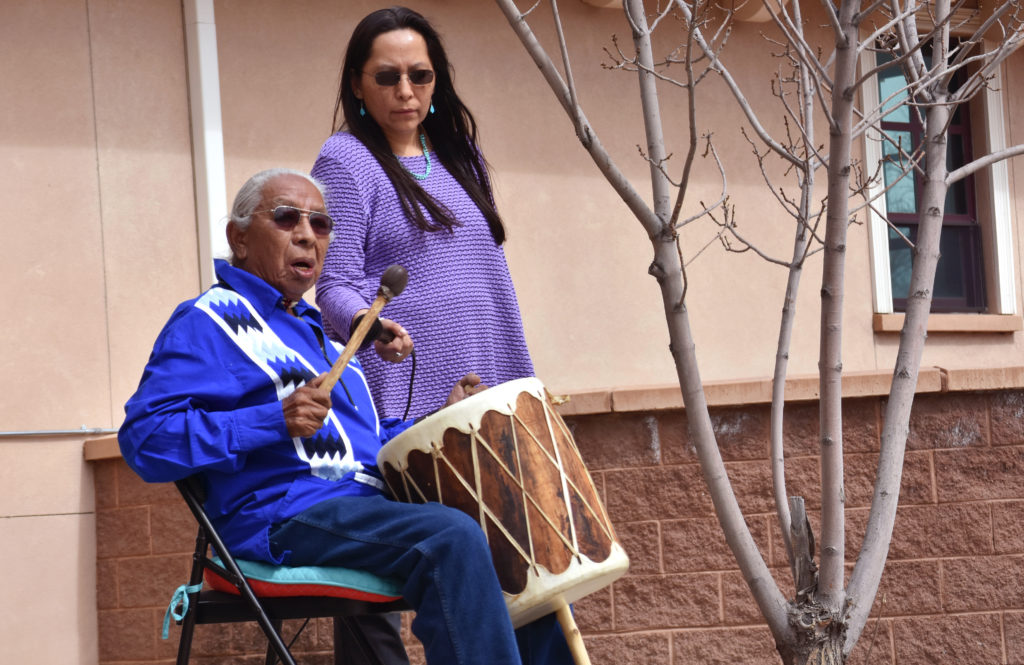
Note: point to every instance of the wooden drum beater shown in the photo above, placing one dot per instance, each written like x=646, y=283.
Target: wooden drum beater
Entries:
x=392, y=283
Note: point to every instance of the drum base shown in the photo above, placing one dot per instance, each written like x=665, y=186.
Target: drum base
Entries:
x=545, y=593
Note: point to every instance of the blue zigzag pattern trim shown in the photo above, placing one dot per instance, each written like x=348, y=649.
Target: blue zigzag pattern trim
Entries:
x=290, y=371
x=236, y=315
x=324, y=443
x=328, y=452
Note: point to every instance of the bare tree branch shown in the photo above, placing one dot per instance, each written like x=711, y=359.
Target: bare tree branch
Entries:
x=745, y=106
x=869, y=10
x=651, y=111
x=574, y=101
x=722, y=199
x=691, y=149
x=793, y=31
x=587, y=136
x=984, y=162
x=833, y=20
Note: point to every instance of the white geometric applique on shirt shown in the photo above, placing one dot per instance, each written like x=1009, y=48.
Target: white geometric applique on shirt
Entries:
x=358, y=369
x=329, y=451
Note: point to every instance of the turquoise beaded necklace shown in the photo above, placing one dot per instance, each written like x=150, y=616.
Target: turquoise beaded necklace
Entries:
x=426, y=155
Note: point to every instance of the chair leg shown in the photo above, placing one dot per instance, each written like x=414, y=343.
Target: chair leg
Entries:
x=272, y=654
x=188, y=626
x=188, y=623
x=369, y=639
x=272, y=629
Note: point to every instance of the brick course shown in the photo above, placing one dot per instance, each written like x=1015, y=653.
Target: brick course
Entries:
x=951, y=592
x=1013, y=629
x=1008, y=526
x=964, y=638
x=875, y=647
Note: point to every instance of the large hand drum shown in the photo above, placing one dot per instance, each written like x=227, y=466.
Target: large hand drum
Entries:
x=504, y=457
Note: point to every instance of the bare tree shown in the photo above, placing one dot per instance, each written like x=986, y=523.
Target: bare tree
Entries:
x=824, y=620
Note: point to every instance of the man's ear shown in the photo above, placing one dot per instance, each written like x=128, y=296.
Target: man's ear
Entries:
x=237, y=241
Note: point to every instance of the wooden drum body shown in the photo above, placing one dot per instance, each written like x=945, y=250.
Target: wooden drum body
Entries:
x=506, y=458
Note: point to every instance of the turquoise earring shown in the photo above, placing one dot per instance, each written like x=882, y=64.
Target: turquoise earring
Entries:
x=362, y=110
x=431, y=108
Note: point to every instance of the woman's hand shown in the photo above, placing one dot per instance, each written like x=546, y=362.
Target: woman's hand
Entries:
x=398, y=348
x=394, y=351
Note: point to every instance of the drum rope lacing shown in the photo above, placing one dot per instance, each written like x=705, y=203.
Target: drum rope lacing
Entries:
x=573, y=545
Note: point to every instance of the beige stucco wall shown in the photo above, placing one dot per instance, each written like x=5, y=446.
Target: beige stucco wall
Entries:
x=101, y=232
x=100, y=245
x=579, y=259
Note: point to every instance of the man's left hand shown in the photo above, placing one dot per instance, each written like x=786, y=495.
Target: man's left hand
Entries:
x=467, y=385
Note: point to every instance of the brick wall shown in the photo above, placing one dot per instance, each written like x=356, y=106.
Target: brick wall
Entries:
x=953, y=591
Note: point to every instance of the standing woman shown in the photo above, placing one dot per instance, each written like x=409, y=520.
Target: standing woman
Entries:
x=408, y=185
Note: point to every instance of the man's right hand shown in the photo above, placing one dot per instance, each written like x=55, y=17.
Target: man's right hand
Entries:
x=306, y=409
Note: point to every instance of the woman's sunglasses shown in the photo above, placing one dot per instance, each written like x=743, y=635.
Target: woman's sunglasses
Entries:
x=288, y=217
x=390, y=78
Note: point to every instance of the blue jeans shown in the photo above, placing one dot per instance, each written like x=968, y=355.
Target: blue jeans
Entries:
x=442, y=558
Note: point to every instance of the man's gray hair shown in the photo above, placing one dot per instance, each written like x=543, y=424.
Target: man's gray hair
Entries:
x=251, y=193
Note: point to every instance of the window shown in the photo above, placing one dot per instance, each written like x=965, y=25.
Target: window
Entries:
x=975, y=273
x=959, y=281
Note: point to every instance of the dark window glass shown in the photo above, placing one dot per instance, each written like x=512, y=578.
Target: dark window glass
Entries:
x=951, y=283
x=956, y=195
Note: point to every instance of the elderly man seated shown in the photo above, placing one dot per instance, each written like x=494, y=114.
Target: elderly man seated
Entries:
x=231, y=391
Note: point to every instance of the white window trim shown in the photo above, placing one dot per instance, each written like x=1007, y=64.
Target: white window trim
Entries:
x=878, y=229
x=1002, y=227
x=207, y=136
x=1004, y=300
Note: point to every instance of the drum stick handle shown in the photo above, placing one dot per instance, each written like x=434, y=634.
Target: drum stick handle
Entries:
x=353, y=344
x=572, y=635
x=392, y=282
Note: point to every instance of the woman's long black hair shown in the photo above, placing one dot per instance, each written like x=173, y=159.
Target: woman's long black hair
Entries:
x=451, y=127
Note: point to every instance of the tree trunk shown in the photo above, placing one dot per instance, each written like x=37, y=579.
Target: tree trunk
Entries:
x=831, y=592
x=821, y=645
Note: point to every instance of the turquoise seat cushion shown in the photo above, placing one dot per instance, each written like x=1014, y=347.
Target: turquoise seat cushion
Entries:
x=270, y=581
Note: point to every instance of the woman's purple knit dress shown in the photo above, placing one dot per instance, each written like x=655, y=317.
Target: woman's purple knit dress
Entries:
x=459, y=306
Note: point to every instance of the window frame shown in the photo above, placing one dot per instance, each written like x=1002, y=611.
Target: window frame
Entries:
x=1000, y=273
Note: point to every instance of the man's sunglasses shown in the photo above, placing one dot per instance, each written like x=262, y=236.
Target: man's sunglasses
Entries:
x=390, y=78
x=288, y=217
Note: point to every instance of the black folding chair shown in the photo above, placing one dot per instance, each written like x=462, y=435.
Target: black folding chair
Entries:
x=200, y=605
